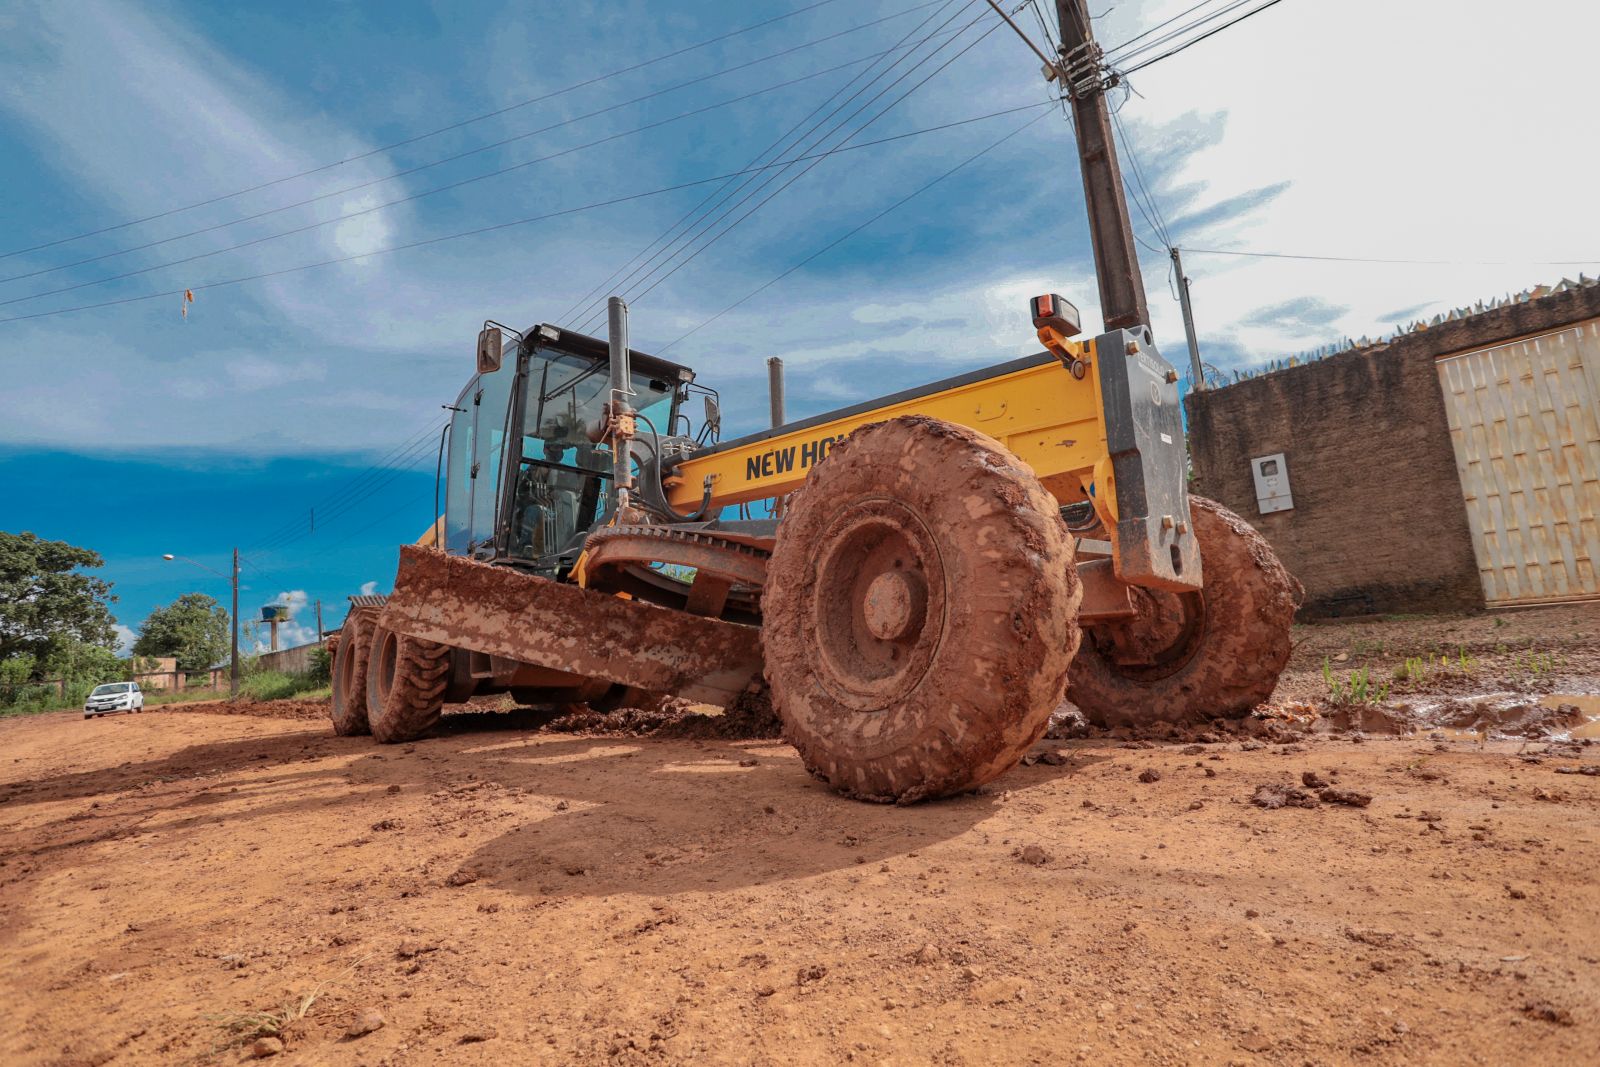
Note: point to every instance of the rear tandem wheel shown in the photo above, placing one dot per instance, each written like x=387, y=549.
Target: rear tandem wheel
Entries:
x=920, y=612
x=348, y=706
x=406, y=682
x=1193, y=657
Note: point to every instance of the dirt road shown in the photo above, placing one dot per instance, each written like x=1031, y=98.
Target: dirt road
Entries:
x=172, y=884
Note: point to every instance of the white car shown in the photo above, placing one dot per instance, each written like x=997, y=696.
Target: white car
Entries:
x=113, y=696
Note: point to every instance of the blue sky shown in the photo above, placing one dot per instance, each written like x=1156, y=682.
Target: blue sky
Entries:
x=133, y=431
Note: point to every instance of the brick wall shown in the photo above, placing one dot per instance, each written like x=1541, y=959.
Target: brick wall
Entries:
x=1378, y=523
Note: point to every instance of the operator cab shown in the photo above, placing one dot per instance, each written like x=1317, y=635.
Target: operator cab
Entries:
x=533, y=503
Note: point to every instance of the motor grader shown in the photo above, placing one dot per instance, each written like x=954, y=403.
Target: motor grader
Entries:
x=915, y=582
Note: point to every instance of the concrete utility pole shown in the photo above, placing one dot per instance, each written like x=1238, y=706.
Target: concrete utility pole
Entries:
x=319, y=621
x=233, y=665
x=1122, y=300
x=1196, y=369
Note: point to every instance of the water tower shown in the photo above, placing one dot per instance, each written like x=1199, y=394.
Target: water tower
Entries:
x=272, y=615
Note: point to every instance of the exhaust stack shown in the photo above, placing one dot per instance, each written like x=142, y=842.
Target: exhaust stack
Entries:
x=621, y=420
x=775, y=389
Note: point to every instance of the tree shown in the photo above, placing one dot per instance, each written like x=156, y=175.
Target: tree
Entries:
x=45, y=605
x=194, y=628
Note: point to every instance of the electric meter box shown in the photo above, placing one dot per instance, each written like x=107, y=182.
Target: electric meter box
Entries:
x=1271, y=475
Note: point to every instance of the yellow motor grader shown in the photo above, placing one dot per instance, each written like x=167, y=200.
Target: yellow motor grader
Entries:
x=939, y=568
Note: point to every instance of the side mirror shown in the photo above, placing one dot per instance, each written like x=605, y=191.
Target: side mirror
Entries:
x=490, y=349
x=713, y=414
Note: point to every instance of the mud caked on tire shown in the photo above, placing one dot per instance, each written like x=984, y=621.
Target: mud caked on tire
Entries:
x=349, y=704
x=1220, y=650
x=406, y=682
x=920, y=612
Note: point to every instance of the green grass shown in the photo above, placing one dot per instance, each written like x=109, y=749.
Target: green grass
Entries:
x=1358, y=688
x=275, y=685
x=263, y=685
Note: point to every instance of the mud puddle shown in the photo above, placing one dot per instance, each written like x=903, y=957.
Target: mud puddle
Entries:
x=1485, y=716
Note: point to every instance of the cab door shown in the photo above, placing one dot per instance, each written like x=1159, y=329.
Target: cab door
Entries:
x=477, y=459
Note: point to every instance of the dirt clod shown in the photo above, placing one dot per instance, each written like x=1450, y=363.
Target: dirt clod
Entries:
x=810, y=974
x=365, y=1022
x=1312, y=780
x=1277, y=795
x=1544, y=1011
x=1349, y=798
x=1149, y=774
x=461, y=877
x=1033, y=855
x=265, y=1047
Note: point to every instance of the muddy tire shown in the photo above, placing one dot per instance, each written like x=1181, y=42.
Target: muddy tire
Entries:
x=406, y=681
x=920, y=612
x=348, y=707
x=1229, y=642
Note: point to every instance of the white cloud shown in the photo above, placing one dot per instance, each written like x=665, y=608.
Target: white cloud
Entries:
x=1390, y=123
x=126, y=636
x=294, y=600
x=369, y=588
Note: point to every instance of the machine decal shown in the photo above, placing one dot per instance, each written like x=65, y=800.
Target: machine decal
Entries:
x=777, y=461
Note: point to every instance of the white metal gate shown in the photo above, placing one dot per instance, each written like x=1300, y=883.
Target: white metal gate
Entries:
x=1525, y=423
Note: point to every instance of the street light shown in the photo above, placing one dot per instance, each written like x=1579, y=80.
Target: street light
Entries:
x=233, y=663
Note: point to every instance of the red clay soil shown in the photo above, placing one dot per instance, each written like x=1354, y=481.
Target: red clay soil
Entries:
x=174, y=884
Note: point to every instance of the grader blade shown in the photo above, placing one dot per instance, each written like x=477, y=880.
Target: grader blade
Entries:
x=503, y=612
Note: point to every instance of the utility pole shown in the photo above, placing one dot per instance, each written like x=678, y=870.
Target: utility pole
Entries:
x=1122, y=300
x=1196, y=369
x=233, y=666
x=319, y=622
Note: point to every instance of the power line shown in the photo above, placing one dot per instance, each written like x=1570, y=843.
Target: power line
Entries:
x=433, y=133
x=295, y=525
x=413, y=196
x=1209, y=33
x=851, y=233
x=1009, y=21
x=754, y=183
x=1126, y=54
x=480, y=149
x=496, y=227
x=1157, y=26
x=403, y=464
x=714, y=199
x=1158, y=223
x=1408, y=262
x=692, y=256
x=328, y=504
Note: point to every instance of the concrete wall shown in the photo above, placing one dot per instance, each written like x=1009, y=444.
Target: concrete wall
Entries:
x=288, y=660
x=1379, y=524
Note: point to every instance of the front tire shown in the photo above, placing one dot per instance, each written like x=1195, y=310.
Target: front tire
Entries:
x=348, y=706
x=920, y=612
x=1225, y=645
x=406, y=682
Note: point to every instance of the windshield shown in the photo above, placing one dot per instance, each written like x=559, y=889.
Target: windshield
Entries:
x=567, y=395
x=563, y=476
x=107, y=690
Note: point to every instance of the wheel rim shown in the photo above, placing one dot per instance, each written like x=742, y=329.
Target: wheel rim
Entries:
x=1168, y=634
x=878, y=608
